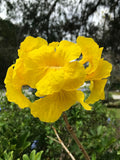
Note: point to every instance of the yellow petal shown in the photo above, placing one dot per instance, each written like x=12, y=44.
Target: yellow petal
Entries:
x=97, y=91
x=91, y=53
x=51, y=82
x=42, y=57
x=40, y=61
x=74, y=75
x=9, y=74
x=54, y=44
x=50, y=108
x=18, y=72
x=68, y=51
x=30, y=43
x=14, y=93
x=22, y=76
x=81, y=98
x=36, y=64
x=102, y=71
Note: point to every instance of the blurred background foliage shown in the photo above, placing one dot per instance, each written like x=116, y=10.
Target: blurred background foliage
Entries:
x=21, y=135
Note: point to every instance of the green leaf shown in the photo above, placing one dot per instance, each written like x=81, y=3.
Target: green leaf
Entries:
x=22, y=143
x=38, y=156
x=5, y=155
x=32, y=155
x=11, y=155
x=26, y=144
x=2, y=124
x=93, y=156
x=25, y=157
x=8, y=156
x=118, y=152
x=99, y=130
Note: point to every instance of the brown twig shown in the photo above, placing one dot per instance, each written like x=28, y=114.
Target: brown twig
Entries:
x=61, y=142
x=53, y=139
x=70, y=130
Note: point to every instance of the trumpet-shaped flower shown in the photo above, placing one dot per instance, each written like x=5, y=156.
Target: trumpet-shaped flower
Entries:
x=98, y=69
x=56, y=73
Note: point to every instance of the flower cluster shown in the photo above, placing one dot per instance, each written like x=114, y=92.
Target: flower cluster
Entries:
x=57, y=70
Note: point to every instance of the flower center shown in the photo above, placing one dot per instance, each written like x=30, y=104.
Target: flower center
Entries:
x=55, y=67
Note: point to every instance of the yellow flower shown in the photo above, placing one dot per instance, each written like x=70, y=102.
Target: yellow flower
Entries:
x=98, y=69
x=56, y=73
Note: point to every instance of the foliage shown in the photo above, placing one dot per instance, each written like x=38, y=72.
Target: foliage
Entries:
x=52, y=20
x=96, y=133
x=21, y=133
x=109, y=33
x=8, y=46
x=16, y=129
x=55, y=20
x=33, y=156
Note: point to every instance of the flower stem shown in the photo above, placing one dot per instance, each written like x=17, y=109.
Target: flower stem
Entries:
x=70, y=130
x=61, y=142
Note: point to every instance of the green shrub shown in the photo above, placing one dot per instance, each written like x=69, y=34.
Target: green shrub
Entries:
x=96, y=130
x=33, y=156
